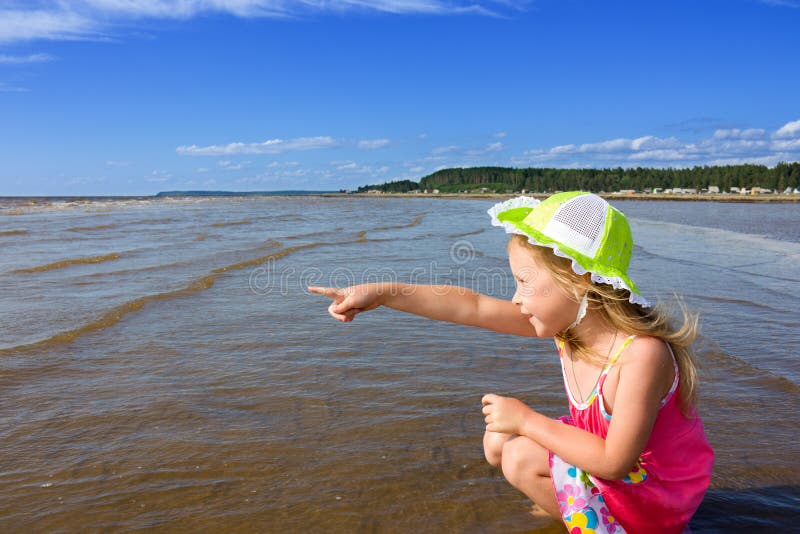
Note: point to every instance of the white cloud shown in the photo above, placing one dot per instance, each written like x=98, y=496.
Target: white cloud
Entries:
x=658, y=155
x=113, y=163
x=5, y=88
x=370, y=144
x=229, y=165
x=53, y=23
x=30, y=58
x=736, y=133
x=444, y=149
x=96, y=19
x=271, y=146
x=281, y=178
x=562, y=149
x=792, y=144
x=782, y=3
x=731, y=146
x=354, y=168
x=479, y=152
x=275, y=164
x=790, y=129
x=769, y=161
x=612, y=145
x=500, y=135
x=493, y=147
x=158, y=176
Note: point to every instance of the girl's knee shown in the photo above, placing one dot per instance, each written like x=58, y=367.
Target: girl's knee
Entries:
x=523, y=459
x=493, y=443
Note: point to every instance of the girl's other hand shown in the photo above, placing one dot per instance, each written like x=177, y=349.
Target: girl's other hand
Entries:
x=504, y=414
x=349, y=301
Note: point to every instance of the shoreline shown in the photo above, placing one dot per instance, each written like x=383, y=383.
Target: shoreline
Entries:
x=683, y=197
x=30, y=201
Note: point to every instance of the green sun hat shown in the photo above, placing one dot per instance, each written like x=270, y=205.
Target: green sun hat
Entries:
x=579, y=226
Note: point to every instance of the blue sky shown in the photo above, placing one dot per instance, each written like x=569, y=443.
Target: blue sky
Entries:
x=114, y=97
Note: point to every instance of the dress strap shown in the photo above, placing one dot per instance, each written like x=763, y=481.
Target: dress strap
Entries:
x=612, y=361
x=617, y=354
x=603, y=375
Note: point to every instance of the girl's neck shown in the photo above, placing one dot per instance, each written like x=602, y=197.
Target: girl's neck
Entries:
x=595, y=333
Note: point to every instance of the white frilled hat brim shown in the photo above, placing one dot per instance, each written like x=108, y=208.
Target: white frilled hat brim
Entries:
x=510, y=228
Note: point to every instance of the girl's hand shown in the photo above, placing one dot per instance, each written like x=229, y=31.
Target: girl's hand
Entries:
x=504, y=414
x=349, y=301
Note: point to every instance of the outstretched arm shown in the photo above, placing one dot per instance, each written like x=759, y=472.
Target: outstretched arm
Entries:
x=453, y=304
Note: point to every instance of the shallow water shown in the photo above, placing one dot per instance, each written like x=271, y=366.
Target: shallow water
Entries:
x=162, y=366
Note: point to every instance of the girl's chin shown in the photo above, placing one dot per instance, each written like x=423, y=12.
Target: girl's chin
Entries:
x=537, y=326
x=540, y=329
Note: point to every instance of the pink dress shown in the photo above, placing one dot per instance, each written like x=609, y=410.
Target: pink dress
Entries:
x=666, y=485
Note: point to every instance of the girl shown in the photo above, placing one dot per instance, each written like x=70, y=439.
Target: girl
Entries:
x=632, y=455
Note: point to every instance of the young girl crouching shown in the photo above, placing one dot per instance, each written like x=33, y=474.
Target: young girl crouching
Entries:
x=632, y=455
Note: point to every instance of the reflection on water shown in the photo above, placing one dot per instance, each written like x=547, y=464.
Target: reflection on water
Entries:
x=191, y=384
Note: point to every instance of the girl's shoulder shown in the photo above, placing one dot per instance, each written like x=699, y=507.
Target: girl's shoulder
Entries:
x=646, y=351
x=646, y=364
x=649, y=359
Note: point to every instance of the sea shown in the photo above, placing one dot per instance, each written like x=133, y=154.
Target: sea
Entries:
x=163, y=367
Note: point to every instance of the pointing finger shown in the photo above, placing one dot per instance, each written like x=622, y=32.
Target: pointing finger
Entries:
x=330, y=292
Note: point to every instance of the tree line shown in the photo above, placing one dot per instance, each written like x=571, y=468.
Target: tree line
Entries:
x=501, y=179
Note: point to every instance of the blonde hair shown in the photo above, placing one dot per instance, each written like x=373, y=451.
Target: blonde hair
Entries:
x=614, y=308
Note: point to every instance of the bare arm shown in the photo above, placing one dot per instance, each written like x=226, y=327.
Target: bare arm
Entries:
x=643, y=377
x=453, y=304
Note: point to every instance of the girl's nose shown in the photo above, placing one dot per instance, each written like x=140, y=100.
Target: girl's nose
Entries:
x=516, y=299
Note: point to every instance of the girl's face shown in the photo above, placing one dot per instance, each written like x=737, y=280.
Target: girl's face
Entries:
x=538, y=294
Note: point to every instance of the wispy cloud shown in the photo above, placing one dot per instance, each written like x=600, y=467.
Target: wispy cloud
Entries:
x=229, y=165
x=725, y=147
x=354, y=168
x=93, y=19
x=158, y=176
x=52, y=21
x=271, y=146
x=445, y=149
x=30, y=58
x=781, y=3
x=370, y=144
x=736, y=133
x=699, y=124
x=483, y=151
x=5, y=88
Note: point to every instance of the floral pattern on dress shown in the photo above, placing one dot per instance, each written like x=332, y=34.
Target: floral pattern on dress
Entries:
x=580, y=501
x=637, y=474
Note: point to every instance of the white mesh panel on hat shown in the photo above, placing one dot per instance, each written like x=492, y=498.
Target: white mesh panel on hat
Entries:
x=578, y=223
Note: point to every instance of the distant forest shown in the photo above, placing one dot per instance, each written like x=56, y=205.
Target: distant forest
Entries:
x=502, y=179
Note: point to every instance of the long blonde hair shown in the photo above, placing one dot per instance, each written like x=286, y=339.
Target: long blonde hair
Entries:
x=613, y=307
